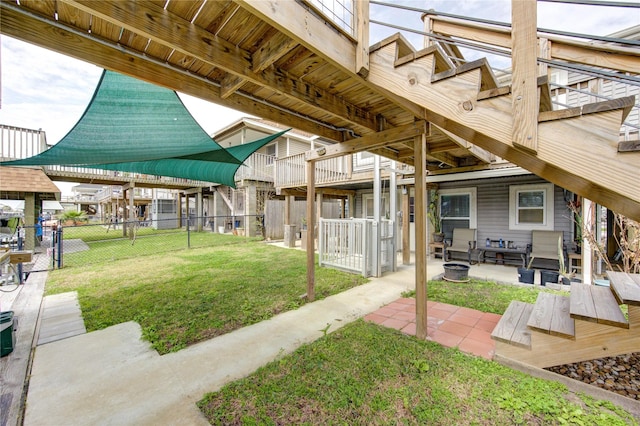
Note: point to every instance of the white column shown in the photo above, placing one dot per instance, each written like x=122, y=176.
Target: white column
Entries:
x=587, y=251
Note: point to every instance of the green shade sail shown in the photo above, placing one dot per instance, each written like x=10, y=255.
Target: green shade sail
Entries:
x=134, y=126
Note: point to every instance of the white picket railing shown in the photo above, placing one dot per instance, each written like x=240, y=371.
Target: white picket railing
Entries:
x=348, y=244
x=292, y=171
x=257, y=167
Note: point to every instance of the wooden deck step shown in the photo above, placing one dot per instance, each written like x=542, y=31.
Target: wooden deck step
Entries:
x=551, y=316
x=596, y=304
x=488, y=79
x=626, y=287
x=512, y=327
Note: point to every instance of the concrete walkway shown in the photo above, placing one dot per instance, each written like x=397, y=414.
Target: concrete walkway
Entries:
x=112, y=377
x=60, y=318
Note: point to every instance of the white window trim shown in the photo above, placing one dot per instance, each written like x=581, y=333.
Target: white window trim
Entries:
x=548, y=224
x=384, y=205
x=473, y=197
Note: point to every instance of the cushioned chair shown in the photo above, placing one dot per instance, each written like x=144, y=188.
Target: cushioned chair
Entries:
x=463, y=241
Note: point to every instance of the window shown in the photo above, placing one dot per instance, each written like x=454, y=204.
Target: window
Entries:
x=531, y=207
x=457, y=209
x=271, y=151
x=368, y=206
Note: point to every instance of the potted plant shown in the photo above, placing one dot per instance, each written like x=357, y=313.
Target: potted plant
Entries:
x=433, y=212
x=527, y=275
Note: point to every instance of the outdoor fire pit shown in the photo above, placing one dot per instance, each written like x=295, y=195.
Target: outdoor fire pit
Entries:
x=456, y=272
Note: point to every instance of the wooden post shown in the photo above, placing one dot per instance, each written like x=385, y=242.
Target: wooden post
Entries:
x=311, y=221
x=420, y=209
x=362, y=37
x=524, y=85
x=287, y=209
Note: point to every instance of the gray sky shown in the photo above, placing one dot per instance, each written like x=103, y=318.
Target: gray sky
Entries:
x=43, y=89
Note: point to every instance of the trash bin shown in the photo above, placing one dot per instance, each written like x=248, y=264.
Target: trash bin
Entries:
x=7, y=335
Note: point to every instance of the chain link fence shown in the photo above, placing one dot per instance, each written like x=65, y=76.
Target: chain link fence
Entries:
x=76, y=244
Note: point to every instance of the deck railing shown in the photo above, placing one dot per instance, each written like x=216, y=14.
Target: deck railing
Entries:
x=348, y=244
x=291, y=171
x=257, y=167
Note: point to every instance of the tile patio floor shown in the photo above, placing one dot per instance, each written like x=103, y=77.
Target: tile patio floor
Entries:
x=449, y=325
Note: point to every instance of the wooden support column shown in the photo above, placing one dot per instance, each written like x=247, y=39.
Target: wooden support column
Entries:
x=362, y=37
x=287, y=208
x=524, y=86
x=406, y=227
x=199, y=211
x=420, y=209
x=311, y=221
x=30, y=219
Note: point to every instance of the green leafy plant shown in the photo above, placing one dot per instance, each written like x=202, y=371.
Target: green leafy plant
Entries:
x=74, y=216
x=434, y=211
x=562, y=267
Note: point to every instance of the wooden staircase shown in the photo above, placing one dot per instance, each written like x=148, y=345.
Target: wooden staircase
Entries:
x=576, y=148
x=586, y=325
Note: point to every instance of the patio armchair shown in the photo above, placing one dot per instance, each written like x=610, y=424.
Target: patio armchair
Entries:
x=463, y=241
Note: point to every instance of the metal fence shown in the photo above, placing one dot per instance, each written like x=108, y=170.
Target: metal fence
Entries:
x=77, y=244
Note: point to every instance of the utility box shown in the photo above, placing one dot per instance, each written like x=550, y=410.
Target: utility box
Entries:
x=7, y=334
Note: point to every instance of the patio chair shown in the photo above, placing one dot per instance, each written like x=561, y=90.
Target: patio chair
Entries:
x=463, y=241
x=544, y=245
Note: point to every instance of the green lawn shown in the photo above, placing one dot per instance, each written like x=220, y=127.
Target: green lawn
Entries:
x=364, y=374
x=187, y=296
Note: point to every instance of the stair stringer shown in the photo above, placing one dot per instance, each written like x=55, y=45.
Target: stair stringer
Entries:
x=579, y=153
x=224, y=197
x=592, y=341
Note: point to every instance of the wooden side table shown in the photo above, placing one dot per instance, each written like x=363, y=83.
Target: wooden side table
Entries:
x=577, y=266
x=436, y=250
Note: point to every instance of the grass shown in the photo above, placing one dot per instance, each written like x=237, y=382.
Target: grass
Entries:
x=483, y=296
x=364, y=374
x=193, y=295
x=109, y=245
x=359, y=374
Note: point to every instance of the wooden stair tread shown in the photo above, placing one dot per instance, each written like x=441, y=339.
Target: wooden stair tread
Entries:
x=488, y=79
x=512, y=327
x=613, y=104
x=626, y=287
x=596, y=304
x=550, y=315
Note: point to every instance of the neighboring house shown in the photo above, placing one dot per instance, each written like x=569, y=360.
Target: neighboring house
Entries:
x=256, y=194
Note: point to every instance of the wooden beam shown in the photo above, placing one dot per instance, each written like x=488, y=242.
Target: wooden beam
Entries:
x=368, y=142
x=524, y=133
x=54, y=37
x=229, y=84
x=303, y=26
x=362, y=37
x=168, y=29
x=445, y=158
x=275, y=48
x=420, y=209
x=311, y=223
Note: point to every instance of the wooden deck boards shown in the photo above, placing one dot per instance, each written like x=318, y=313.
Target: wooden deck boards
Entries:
x=512, y=328
x=596, y=304
x=551, y=316
x=626, y=287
